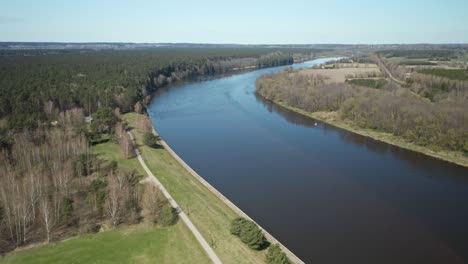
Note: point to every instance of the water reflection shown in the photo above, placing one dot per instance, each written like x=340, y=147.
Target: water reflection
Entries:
x=415, y=159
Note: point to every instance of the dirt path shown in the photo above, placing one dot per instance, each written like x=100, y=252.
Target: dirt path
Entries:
x=181, y=214
x=390, y=75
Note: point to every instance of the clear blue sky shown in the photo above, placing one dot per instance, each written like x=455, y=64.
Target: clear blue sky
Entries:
x=235, y=21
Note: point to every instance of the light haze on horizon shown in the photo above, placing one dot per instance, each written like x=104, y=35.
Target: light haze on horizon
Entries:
x=241, y=21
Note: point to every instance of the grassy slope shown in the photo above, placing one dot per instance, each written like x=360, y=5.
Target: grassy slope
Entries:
x=333, y=119
x=134, y=244
x=209, y=214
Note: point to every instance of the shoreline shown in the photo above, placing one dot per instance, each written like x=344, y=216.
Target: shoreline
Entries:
x=226, y=201
x=330, y=118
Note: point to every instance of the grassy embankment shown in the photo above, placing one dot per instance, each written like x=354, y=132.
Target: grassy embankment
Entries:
x=208, y=213
x=140, y=243
x=332, y=118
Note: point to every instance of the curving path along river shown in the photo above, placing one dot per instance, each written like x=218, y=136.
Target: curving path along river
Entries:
x=329, y=195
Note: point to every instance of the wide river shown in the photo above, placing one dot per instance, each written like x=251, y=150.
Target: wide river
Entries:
x=329, y=195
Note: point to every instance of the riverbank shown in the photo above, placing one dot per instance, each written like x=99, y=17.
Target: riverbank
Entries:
x=333, y=119
x=230, y=204
x=211, y=216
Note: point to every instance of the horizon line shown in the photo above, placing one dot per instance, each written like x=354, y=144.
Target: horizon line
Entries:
x=240, y=44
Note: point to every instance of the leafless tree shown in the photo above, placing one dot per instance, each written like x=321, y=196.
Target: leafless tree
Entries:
x=47, y=214
x=152, y=202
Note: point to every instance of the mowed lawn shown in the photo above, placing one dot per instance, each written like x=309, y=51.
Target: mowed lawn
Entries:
x=134, y=244
x=208, y=213
x=112, y=151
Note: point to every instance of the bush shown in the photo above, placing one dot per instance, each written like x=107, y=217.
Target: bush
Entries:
x=150, y=139
x=236, y=226
x=167, y=216
x=249, y=233
x=276, y=256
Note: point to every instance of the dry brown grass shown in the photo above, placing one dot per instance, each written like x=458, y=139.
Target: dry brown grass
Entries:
x=345, y=71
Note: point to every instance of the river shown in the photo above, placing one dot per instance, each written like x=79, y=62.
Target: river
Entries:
x=329, y=195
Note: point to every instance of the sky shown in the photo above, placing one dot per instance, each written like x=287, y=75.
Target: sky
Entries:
x=236, y=21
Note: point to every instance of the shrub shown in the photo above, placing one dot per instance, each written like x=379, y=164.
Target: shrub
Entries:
x=236, y=225
x=150, y=139
x=249, y=233
x=167, y=216
x=276, y=256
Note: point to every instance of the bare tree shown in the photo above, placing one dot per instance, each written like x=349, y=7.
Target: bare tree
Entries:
x=114, y=200
x=138, y=107
x=47, y=214
x=152, y=202
x=124, y=140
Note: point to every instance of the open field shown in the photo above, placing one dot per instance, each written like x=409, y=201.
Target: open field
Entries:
x=341, y=74
x=208, y=213
x=111, y=151
x=453, y=74
x=134, y=244
x=406, y=61
x=355, y=65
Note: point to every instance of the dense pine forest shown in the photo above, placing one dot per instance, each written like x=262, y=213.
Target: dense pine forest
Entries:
x=31, y=81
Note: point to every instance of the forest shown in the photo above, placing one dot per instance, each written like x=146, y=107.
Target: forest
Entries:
x=440, y=125
x=112, y=78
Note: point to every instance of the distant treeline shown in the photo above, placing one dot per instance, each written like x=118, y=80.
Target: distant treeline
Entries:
x=438, y=125
x=420, y=54
x=30, y=81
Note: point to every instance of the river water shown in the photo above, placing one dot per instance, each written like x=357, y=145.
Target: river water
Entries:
x=329, y=195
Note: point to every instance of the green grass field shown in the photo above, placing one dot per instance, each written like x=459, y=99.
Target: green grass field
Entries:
x=208, y=213
x=407, y=61
x=111, y=151
x=135, y=244
x=453, y=74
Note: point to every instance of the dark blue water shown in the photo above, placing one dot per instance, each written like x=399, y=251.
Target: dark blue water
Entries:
x=329, y=195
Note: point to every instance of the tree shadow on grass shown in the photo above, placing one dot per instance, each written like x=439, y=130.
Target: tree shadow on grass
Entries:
x=264, y=246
